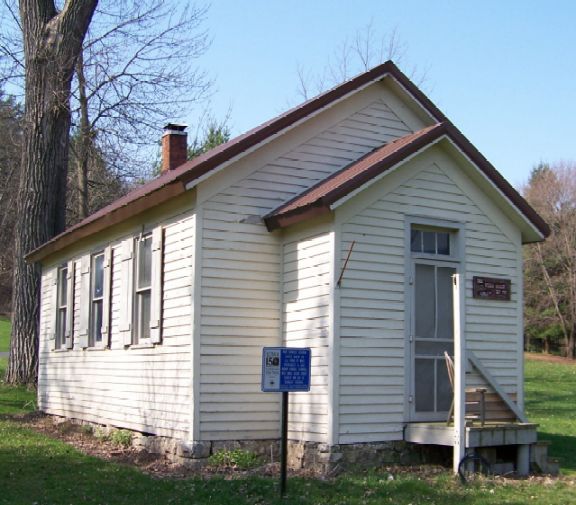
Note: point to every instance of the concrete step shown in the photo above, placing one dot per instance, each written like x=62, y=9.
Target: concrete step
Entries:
x=539, y=460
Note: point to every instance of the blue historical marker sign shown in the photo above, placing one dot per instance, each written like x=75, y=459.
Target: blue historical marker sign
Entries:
x=285, y=369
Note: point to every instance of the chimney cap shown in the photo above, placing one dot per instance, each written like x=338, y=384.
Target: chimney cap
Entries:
x=179, y=127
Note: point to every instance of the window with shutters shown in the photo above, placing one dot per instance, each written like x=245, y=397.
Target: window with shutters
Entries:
x=140, y=307
x=62, y=329
x=96, y=299
x=142, y=288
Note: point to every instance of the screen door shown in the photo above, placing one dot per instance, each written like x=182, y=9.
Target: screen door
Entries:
x=432, y=334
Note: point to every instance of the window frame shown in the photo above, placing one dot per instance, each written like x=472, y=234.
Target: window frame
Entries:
x=456, y=259
x=140, y=292
x=62, y=306
x=92, y=337
x=455, y=233
x=129, y=326
x=61, y=309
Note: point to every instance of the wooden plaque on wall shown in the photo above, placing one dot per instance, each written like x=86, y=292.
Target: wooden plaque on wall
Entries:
x=491, y=289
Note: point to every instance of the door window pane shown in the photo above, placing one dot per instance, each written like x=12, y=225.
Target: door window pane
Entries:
x=445, y=306
x=433, y=348
x=424, y=392
x=444, y=393
x=425, y=300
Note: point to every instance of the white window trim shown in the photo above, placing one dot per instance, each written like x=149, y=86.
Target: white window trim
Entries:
x=456, y=235
x=70, y=280
x=107, y=297
x=84, y=318
x=104, y=299
x=139, y=291
x=128, y=291
x=61, y=341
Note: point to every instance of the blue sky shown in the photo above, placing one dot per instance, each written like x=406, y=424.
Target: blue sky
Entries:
x=503, y=71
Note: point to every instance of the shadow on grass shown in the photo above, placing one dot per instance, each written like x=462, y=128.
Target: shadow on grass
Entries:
x=562, y=447
x=39, y=470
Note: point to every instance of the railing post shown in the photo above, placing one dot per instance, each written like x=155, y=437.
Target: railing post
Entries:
x=459, y=374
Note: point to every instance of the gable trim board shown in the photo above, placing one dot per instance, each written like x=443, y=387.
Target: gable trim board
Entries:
x=320, y=198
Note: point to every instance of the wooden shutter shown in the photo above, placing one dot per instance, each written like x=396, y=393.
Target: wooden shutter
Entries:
x=84, y=300
x=156, y=287
x=53, y=280
x=126, y=290
x=107, y=296
x=69, y=334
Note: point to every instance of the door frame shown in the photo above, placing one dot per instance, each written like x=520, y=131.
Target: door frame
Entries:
x=411, y=344
x=455, y=260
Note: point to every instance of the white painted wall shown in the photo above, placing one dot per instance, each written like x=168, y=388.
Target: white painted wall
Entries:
x=372, y=311
x=147, y=389
x=306, y=301
x=241, y=278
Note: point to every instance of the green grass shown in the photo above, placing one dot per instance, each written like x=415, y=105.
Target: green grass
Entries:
x=37, y=469
x=4, y=334
x=551, y=402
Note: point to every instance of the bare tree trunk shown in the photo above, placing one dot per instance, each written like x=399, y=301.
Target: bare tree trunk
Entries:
x=553, y=296
x=84, y=142
x=52, y=42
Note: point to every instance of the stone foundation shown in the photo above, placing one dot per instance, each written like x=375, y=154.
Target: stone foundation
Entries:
x=325, y=459
x=322, y=459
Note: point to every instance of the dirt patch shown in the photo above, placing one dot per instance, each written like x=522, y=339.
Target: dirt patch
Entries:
x=158, y=466
x=83, y=438
x=549, y=358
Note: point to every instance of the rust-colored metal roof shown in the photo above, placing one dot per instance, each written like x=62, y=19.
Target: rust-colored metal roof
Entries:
x=173, y=183
x=132, y=203
x=318, y=199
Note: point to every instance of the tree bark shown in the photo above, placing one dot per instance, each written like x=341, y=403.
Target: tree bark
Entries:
x=52, y=43
x=84, y=142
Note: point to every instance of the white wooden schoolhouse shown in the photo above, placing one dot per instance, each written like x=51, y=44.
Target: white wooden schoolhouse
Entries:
x=361, y=224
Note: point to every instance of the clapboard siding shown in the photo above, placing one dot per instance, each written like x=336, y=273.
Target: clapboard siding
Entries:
x=372, y=311
x=147, y=389
x=306, y=324
x=241, y=268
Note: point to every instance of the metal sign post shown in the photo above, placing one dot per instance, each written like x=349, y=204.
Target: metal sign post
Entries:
x=285, y=369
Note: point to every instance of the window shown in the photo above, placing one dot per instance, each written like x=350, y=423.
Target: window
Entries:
x=430, y=242
x=62, y=308
x=142, y=288
x=140, y=311
x=96, y=299
x=95, y=291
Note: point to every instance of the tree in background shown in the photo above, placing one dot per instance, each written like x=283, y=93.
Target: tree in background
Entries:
x=132, y=74
x=135, y=72
x=359, y=53
x=208, y=136
x=52, y=42
x=550, y=266
x=10, y=153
